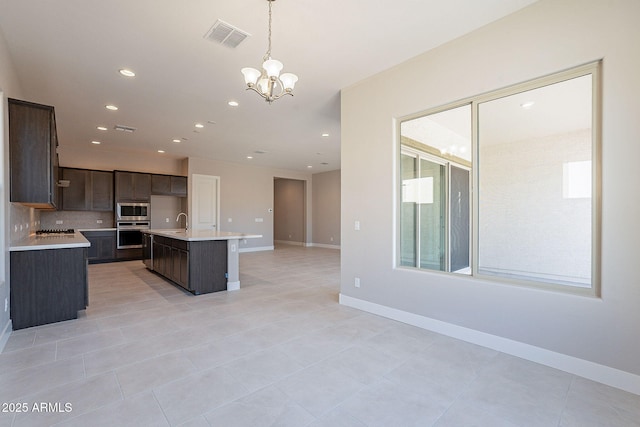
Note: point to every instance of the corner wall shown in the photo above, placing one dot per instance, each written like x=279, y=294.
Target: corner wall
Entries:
x=546, y=37
x=326, y=209
x=9, y=88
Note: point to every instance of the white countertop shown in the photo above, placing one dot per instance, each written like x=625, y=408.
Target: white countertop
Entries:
x=59, y=241
x=201, y=235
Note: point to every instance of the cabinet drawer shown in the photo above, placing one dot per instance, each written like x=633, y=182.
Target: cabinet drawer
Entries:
x=180, y=244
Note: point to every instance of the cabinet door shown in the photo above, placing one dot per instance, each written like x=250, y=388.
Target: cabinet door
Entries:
x=158, y=257
x=32, y=153
x=74, y=197
x=161, y=184
x=142, y=186
x=175, y=265
x=92, y=251
x=124, y=185
x=179, y=186
x=101, y=191
x=107, y=247
x=184, y=268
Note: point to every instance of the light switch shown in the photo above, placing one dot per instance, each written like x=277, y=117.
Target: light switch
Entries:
x=357, y=225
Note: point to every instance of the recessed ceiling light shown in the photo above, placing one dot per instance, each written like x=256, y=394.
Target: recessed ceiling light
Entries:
x=96, y=142
x=309, y=166
x=325, y=135
x=160, y=151
x=199, y=125
x=111, y=107
x=249, y=157
x=233, y=103
x=527, y=105
x=177, y=141
x=101, y=128
x=127, y=73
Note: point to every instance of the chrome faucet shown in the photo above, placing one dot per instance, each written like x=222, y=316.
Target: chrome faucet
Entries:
x=186, y=220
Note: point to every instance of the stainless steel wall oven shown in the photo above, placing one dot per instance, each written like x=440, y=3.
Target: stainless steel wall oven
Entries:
x=129, y=233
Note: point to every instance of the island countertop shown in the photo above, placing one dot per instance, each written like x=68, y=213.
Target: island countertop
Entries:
x=201, y=235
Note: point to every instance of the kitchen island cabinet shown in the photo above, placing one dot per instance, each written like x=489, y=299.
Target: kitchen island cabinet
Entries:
x=48, y=280
x=201, y=261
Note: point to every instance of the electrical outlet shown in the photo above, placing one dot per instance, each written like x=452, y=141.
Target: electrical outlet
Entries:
x=59, y=222
x=331, y=239
x=166, y=220
x=356, y=225
x=356, y=282
x=98, y=221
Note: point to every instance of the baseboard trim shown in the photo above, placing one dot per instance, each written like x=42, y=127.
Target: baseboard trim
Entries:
x=257, y=249
x=288, y=242
x=603, y=374
x=322, y=245
x=6, y=333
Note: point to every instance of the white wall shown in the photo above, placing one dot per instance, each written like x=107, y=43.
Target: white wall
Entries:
x=547, y=37
x=246, y=193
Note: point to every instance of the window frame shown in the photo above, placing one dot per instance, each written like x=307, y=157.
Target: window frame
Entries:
x=592, y=68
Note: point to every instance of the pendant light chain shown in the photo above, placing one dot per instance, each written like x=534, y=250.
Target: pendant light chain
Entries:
x=268, y=54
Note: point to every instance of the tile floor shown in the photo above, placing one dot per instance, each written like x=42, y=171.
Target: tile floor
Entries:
x=279, y=352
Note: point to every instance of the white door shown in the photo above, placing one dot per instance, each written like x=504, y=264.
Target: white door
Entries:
x=205, y=202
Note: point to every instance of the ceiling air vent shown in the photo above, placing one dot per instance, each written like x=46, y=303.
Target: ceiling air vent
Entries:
x=123, y=128
x=226, y=34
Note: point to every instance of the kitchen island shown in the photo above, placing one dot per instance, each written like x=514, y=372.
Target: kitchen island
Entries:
x=48, y=274
x=201, y=261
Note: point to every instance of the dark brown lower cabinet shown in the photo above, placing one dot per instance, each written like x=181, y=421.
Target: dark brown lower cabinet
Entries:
x=47, y=286
x=200, y=267
x=103, y=246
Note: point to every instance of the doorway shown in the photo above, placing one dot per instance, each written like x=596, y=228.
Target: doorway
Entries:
x=289, y=211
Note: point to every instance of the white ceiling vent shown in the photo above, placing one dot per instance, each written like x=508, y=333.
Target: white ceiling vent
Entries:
x=226, y=34
x=123, y=128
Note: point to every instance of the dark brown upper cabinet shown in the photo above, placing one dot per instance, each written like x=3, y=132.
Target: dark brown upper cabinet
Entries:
x=167, y=185
x=87, y=190
x=133, y=186
x=33, y=154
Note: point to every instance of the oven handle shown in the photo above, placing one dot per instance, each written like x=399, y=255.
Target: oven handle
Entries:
x=133, y=227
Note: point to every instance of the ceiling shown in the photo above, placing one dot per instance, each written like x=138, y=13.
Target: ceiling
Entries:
x=67, y=53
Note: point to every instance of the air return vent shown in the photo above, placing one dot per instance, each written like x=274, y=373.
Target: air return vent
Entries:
x=226, y=34
x=123, y=128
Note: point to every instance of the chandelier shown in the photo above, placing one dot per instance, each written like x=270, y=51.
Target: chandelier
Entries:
x=269, y=83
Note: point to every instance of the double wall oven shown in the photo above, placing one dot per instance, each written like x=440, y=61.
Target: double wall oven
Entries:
x=131, y=220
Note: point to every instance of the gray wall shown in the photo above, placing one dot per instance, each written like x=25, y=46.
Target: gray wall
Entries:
x=546, y=37
x=326, y=209
x=288, y=210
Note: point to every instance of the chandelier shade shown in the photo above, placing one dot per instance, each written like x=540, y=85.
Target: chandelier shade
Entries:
x=268, y=82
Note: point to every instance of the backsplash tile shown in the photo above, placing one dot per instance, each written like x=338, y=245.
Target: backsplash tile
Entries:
x=76, y=220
